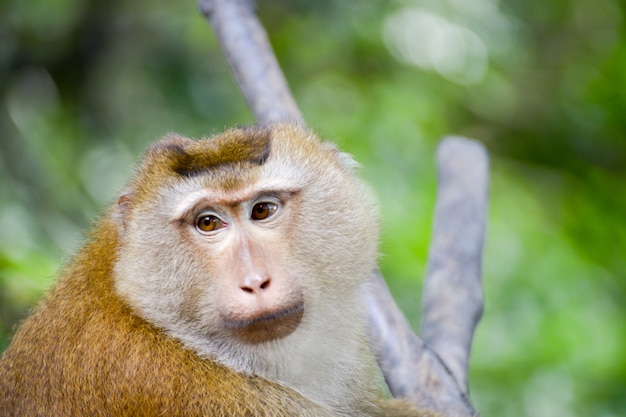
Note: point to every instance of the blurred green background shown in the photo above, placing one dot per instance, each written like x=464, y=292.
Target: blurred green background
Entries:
x=85, y=85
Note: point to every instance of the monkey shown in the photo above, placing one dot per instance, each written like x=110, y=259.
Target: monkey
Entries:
x=226, y=280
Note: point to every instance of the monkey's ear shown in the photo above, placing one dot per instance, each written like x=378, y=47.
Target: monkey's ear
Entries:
x=122, y=210
x=348, y=161
x=345, y=159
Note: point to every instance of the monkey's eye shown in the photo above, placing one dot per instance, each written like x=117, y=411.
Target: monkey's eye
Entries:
x=206, y=223
x=262, y=211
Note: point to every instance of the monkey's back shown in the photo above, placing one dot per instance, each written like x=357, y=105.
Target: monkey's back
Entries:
x=84, y=353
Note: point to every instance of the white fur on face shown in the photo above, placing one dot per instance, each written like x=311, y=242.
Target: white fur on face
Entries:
x=164, y=272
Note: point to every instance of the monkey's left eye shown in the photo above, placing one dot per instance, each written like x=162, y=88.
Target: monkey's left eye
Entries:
x=206, y=223
x=262, y=211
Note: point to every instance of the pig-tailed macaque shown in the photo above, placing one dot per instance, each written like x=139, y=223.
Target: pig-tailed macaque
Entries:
x=227, y=280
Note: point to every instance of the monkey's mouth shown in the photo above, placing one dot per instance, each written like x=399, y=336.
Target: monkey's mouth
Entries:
x=266, y=327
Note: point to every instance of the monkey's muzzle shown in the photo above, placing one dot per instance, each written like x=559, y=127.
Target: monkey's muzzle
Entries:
x=266, y=327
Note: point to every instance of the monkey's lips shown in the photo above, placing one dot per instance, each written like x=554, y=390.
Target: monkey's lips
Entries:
x=268, y=326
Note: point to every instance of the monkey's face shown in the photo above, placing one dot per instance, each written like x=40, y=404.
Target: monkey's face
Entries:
x=238, y=241
x=242, y=243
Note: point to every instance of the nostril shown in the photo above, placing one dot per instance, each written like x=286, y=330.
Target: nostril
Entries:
x=256, y=286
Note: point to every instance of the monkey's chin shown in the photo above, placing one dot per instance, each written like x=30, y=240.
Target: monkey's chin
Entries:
x=266, y=327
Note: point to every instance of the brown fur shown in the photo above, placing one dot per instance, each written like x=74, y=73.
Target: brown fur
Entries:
x=84, y=353
x=87, y=350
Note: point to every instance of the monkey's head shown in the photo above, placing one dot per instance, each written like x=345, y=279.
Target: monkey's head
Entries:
x=246, y=238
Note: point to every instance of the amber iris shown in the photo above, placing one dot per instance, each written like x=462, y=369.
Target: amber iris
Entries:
x=262, y=211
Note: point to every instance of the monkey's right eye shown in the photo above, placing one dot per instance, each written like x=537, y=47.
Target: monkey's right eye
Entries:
x=206, y=223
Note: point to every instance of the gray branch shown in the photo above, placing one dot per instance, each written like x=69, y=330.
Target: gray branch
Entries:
x=452, y=299
x=412, y=370
x=432, y=373
x=251, y=59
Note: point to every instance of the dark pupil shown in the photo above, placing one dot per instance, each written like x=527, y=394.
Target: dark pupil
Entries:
x=261, y=210
x=208, y=223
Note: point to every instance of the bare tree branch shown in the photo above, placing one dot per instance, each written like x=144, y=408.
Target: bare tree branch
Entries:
x=452, y=299
x=433, y=372
x=452, y=290
x=251, y=59
x=411, y=369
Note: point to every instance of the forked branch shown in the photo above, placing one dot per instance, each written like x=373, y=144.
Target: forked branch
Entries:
x=430, y=373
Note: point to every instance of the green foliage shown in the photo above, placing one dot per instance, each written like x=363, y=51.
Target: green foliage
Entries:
x=86, y=85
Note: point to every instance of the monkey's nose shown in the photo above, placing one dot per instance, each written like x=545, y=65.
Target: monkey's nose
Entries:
x=255, y=284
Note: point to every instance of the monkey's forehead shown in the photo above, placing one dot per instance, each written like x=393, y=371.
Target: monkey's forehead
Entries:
x=250, y=146
x=238, y=159
x=190, y=158
x=284, y=165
